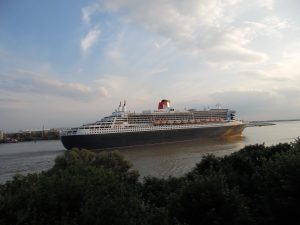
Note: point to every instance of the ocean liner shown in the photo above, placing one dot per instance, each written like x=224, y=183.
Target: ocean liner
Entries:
x=124, y=128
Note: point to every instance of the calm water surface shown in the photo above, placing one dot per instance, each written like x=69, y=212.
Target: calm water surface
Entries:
x=162, y=160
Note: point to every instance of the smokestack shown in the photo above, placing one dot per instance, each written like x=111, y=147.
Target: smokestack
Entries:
x=164, y=104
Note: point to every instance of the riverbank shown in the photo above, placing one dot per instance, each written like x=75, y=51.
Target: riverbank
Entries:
x=30, y=135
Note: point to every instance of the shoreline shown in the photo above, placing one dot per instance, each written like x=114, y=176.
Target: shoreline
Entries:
x=259, y=124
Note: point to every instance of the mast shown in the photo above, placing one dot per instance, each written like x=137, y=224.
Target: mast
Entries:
x=124, y=106
x=119, y=108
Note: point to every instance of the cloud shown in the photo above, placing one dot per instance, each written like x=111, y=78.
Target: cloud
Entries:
x=5, y=100
x=259, y=105
x=271, y=26
x=268, y=4
x=88, y=11
x=119, y=87
x=285, y=71
x=30, y=100
x=9, y=100
x=228, y=55
x=90, y=39
x=104, y=92
x=160, y=45
x=32, y=83
x=205, y=28
x=157, y=71
x=261, y=75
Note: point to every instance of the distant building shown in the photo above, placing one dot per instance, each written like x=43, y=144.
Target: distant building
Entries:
x=1, y=135
x=37, y=134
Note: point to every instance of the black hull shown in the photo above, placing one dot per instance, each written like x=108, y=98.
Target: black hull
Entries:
x=116, y=140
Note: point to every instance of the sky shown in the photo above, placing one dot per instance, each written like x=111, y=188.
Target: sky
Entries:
x=66, y=63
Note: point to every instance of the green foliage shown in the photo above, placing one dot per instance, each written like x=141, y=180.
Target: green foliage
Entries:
x=209, y=200
x=82, y=188
x=158, y=192
x=278, y=188
x=257, y=185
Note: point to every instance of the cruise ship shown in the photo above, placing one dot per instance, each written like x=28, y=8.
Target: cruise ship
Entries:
x=124, y=128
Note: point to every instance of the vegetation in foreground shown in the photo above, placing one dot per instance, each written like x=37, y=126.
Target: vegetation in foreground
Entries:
x=257, y=185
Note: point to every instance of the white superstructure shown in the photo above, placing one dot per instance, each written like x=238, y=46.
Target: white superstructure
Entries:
x=164, y=118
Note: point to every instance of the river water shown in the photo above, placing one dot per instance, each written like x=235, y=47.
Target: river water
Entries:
x=163, y=160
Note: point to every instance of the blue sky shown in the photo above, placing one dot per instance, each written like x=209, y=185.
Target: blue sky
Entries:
x=64, y=63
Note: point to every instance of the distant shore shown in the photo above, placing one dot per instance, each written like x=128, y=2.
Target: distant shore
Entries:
x=268, y=122
x=259, y=124
x=30, y=135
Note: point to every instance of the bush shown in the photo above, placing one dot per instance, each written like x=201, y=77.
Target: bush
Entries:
x=81, y=188
x=209, y=200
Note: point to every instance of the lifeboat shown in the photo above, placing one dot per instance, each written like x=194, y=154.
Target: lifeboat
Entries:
x=156, y=122
x=170, y=122
x=163, y=122
x=192, y=121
